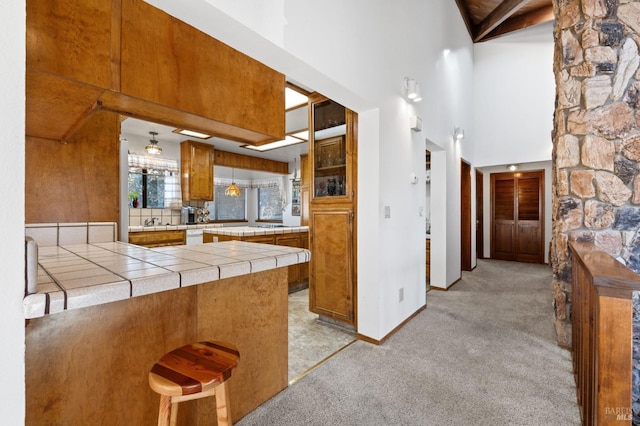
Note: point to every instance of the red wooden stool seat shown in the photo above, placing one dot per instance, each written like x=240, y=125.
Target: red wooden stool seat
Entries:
x=194, y=371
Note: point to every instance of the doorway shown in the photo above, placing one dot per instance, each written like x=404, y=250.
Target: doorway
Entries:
x=465, y=215
x=479, y=215
x=517, y=216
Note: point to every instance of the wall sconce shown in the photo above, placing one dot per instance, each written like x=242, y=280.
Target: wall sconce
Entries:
x=458, y=133
x=513, y=167
x=412, y=90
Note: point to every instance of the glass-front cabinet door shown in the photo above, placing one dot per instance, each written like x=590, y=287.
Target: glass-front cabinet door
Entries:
x=330, y=149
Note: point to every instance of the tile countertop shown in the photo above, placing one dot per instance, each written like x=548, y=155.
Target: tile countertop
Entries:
x=81, y=275
x=248, y=231
x=140, y=228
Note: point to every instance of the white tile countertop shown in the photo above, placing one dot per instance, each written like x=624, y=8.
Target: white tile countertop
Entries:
x=80, y=275
x=248, y=231
x=140, y=228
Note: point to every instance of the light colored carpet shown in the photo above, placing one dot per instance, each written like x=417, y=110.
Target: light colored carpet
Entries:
x=483, y=353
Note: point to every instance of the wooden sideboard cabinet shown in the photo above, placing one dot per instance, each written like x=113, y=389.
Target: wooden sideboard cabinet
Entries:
x=157, y=238
x=196, y=170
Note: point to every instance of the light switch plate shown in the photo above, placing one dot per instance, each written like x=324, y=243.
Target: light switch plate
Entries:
x=387, y=212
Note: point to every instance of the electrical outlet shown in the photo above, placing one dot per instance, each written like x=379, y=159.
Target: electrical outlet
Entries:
x=401, y=294
x=215, y=239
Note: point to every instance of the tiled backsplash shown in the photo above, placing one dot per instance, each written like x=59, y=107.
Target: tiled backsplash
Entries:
x=56, y=234
x=165, y=216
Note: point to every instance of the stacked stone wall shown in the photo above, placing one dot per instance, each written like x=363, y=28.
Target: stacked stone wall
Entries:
x=596, y=145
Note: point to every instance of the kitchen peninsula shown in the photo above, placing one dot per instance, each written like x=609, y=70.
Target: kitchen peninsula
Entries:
x=89, y=346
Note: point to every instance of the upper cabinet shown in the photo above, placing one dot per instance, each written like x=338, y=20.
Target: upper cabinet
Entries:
x=332, y=151
x=130, y=58
x=196, y=168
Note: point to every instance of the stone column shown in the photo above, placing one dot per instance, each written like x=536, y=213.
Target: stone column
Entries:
x=596, y=139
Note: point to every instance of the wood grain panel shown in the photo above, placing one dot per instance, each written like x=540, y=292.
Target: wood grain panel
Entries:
x=56, y=107
x=252, y=314
x=85, y=366
x=90, y=366
x=239, y=161
x=157, y=238
x=71, y=38
x=503, y=241
x=78, y=181
x=290, y=240
x=196, y=171
x=331, y=287
x=504, y=208
x=170, y=63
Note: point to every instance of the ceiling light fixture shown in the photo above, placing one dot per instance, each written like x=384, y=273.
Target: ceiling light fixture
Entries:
x=513, y=167
x=412, y=90
x=232, y=190
x=293, y=98
x=288, y=140
x=193, y=133
x=153, y=147
x=458, y=133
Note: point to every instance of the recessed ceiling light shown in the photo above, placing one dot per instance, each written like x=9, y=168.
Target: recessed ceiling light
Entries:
x=192, y=133
x=288, y=140
x=304, y=135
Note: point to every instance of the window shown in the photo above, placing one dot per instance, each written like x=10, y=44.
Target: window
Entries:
x=228, y=208
x=269, y=204
x=153, y=183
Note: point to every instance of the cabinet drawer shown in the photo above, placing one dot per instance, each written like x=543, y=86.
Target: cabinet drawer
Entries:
x=157, y=238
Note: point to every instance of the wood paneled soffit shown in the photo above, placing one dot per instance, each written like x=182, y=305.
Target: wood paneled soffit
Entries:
x=88, y=56
x=488, y=19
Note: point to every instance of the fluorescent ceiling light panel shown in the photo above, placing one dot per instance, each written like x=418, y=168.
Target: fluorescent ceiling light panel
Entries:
x=293, y=98
x=304, y=135
x=288, y=140
x=192, y=133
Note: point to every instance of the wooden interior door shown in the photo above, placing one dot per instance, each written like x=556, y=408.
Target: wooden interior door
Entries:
x=479, y=214
x=517, y=216
x=465, y=215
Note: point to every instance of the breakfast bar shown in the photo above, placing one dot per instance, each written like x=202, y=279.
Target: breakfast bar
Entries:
x=103, y=312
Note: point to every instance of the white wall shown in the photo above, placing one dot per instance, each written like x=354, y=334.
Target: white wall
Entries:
x=514, y=92
x=12, y=98
x=345, y=51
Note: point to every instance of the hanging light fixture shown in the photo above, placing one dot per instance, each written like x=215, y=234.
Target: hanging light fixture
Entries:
x=232, y=190
x=153, y=147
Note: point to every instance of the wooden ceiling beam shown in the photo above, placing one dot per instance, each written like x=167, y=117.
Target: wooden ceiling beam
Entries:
x=535, y=17
x=466, y=17
x=500, y=14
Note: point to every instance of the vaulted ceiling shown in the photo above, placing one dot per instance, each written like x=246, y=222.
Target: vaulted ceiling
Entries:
x=489, y=19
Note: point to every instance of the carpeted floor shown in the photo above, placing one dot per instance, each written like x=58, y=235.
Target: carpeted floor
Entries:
x=482, y=353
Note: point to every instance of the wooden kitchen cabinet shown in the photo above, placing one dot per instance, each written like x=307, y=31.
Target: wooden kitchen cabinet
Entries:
x=298, y=273
x=167, y=62
x=196, y=171
x=157, y=238
x=332, y=210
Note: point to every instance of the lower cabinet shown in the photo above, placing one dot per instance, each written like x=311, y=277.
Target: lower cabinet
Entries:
x=299, y=273
x=157, y=238
x=331, y=288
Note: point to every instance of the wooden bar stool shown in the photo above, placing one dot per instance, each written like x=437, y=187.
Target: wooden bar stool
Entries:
x=194, y=371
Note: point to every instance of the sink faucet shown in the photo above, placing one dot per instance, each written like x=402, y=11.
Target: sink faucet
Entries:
x=152, y=221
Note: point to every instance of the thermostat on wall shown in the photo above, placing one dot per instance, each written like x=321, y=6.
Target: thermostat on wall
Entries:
x=415, y=123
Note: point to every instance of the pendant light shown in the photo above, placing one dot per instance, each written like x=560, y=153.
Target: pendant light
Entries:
x=232, y=190
x=153, y=147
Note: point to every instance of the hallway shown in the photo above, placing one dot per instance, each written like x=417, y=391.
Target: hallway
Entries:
x=482, y=353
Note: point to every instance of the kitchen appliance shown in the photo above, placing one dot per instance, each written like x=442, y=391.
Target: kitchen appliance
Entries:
x=189, y=215
x=194, y=236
